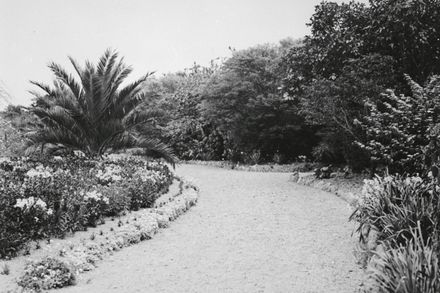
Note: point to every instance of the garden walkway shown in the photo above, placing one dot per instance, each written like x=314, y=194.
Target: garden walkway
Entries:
x=250, y=232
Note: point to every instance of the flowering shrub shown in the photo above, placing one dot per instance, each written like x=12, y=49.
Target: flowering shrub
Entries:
x=47, y=274
x=64, y=195
x=95, y=203
x=401, y=130
x=111, y=173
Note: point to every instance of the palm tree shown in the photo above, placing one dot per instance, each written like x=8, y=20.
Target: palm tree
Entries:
x=96, y=114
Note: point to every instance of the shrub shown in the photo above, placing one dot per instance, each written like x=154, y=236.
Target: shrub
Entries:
x=410, y=268
x=47, y=274
x=399, y=128
x=393, y=205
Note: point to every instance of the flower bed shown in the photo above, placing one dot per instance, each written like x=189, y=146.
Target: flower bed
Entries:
x=59, y=196
x=59, y=263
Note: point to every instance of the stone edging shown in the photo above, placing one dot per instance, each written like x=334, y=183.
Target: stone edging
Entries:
x=329, y=185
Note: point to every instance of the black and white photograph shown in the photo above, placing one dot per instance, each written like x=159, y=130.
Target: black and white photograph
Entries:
x=236, y=146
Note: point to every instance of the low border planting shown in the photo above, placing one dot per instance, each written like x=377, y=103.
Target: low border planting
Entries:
x=59, y=196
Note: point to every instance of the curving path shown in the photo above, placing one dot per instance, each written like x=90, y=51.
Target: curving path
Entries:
x=250, y=232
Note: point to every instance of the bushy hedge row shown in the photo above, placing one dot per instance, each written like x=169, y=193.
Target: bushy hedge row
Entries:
x=404, y=213
x=40, y=199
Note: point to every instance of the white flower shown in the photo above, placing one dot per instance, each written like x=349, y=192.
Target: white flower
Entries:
x=26, y=203
x=95, y=195
x=92, y=195
x=111, y=173
x=39, y=171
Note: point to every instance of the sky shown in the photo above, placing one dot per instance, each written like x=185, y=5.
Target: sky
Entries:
x=152, y=35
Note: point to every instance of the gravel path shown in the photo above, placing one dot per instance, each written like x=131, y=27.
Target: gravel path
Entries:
x=250, y=232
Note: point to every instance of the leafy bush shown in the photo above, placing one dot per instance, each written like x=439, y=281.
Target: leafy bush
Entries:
x=63, y=195
x=47, y=274
x=399, y=128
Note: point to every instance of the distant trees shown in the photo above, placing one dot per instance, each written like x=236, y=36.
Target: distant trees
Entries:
x=245, y=101
x=304, y=97
x=309, y=97
x=231, y=110
x=178, y=97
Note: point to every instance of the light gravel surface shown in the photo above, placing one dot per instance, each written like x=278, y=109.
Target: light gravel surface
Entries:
x=250, y=232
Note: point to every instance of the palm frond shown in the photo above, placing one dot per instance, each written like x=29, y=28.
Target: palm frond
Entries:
x=67, y=79
x=158, y=148
x=46, y=88
x=103, y=61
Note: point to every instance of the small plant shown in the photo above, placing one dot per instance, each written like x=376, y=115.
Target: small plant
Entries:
x=26, y=250
x=324, y=172
x=254, y=157
x=5, y=269
x=92, y=236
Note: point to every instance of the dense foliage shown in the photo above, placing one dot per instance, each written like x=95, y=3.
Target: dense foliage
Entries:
x=402, y=131
x=60, y=196
x=233, y=110
x=354, y=53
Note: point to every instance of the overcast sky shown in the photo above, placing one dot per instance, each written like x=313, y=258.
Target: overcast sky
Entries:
x=152, y=35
